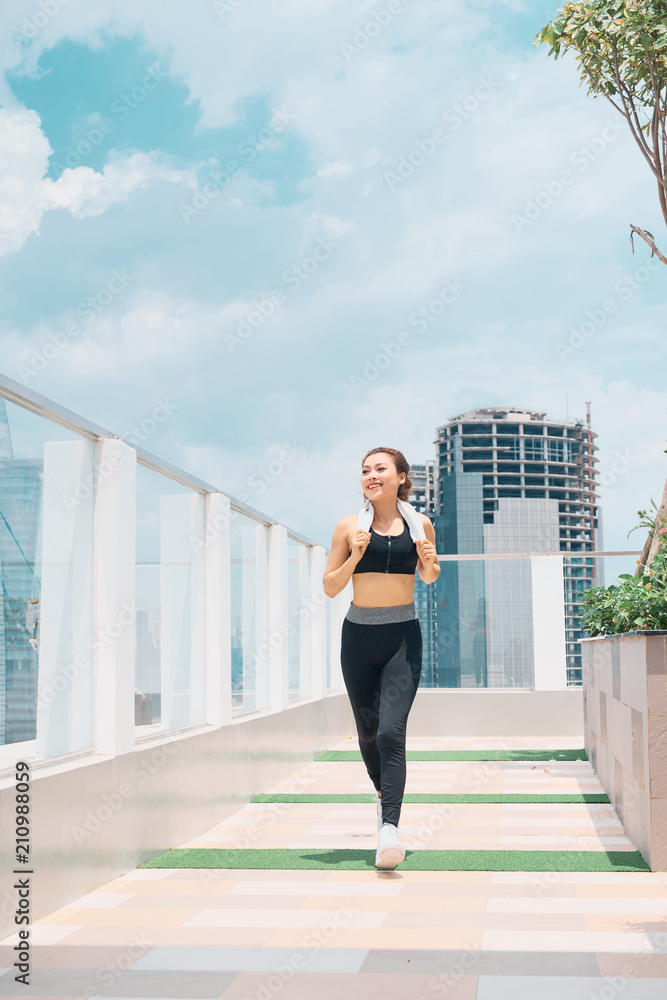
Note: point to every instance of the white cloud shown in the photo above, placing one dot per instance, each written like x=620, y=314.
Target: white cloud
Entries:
x=26, y=193
x=86, y=192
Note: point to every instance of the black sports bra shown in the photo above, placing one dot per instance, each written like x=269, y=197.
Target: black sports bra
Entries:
x=389, y=553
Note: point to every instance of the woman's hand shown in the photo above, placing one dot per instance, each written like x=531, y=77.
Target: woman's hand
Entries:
x=426, y=551
x=359, y=545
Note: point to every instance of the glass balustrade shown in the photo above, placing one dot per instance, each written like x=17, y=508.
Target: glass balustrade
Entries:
x=488, y=623
x=485, y=620
x=169, y=619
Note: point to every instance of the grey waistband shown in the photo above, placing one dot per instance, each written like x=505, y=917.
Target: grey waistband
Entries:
x=381, y=616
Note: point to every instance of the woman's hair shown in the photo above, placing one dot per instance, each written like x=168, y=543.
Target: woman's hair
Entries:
x=402, y=465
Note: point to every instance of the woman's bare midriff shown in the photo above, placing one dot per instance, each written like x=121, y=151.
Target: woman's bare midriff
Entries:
x=382, y=590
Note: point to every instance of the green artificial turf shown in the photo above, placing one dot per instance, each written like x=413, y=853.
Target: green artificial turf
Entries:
x=519, y=755
x=441, y=797
x=327, y=859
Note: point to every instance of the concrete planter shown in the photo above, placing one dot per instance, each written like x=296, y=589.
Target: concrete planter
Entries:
x=625, y=732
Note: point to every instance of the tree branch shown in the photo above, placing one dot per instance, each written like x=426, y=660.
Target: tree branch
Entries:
x=637, y=135
x=648, y=239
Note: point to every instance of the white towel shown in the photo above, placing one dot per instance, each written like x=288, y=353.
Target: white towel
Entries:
x=415, y=525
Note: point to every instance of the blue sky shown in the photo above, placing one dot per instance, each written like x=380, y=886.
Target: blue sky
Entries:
x=259, y=199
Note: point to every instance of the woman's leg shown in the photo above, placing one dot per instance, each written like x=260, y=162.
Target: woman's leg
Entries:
x=400, y=680
x=362, y=677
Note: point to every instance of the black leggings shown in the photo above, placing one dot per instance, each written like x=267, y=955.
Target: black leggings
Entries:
x=381, y=667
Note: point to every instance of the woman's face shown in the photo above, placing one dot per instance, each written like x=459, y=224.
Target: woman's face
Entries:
x=379, y=476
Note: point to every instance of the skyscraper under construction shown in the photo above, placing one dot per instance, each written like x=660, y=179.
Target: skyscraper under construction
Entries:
x=508, y=480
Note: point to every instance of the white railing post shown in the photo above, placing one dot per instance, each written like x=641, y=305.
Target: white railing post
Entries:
x=318, y=624
x=550, y=665
x=114, y=614
x=278, y=621
x=182, y=610
x=218, y=613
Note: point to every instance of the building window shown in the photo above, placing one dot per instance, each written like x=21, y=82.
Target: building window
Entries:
x=509, y=448
x=533, y=449
x=475, y=466
x=555, y=451
x=477, y=429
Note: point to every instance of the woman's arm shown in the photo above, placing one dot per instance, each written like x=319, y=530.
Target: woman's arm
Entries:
x=342, y=564
x=428, y=566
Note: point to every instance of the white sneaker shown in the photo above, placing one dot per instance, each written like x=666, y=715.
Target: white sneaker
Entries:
x=390, y=851
x=378, y=802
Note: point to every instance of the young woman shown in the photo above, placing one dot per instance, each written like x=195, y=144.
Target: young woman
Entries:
x=381, y=642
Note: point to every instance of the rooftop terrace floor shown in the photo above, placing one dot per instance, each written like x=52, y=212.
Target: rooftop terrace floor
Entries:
x=300, y=933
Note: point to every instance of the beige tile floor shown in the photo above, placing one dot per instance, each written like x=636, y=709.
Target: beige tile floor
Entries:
x=401, y=935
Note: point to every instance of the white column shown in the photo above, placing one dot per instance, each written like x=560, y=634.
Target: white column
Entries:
x=303, y=615
x=317, y=621
x=114, y=596
x=181, y=609
x=277, y=618
x=218, y=610
x=65, y=662
x=548, y=622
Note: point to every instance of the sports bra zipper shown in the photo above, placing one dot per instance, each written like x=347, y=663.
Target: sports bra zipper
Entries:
x=388, y=553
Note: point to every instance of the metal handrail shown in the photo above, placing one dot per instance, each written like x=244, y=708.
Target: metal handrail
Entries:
x=458, y=556
x=23, y=396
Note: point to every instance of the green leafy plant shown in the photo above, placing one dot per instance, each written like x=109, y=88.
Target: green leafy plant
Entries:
x=621, y=48
x=635, y=602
